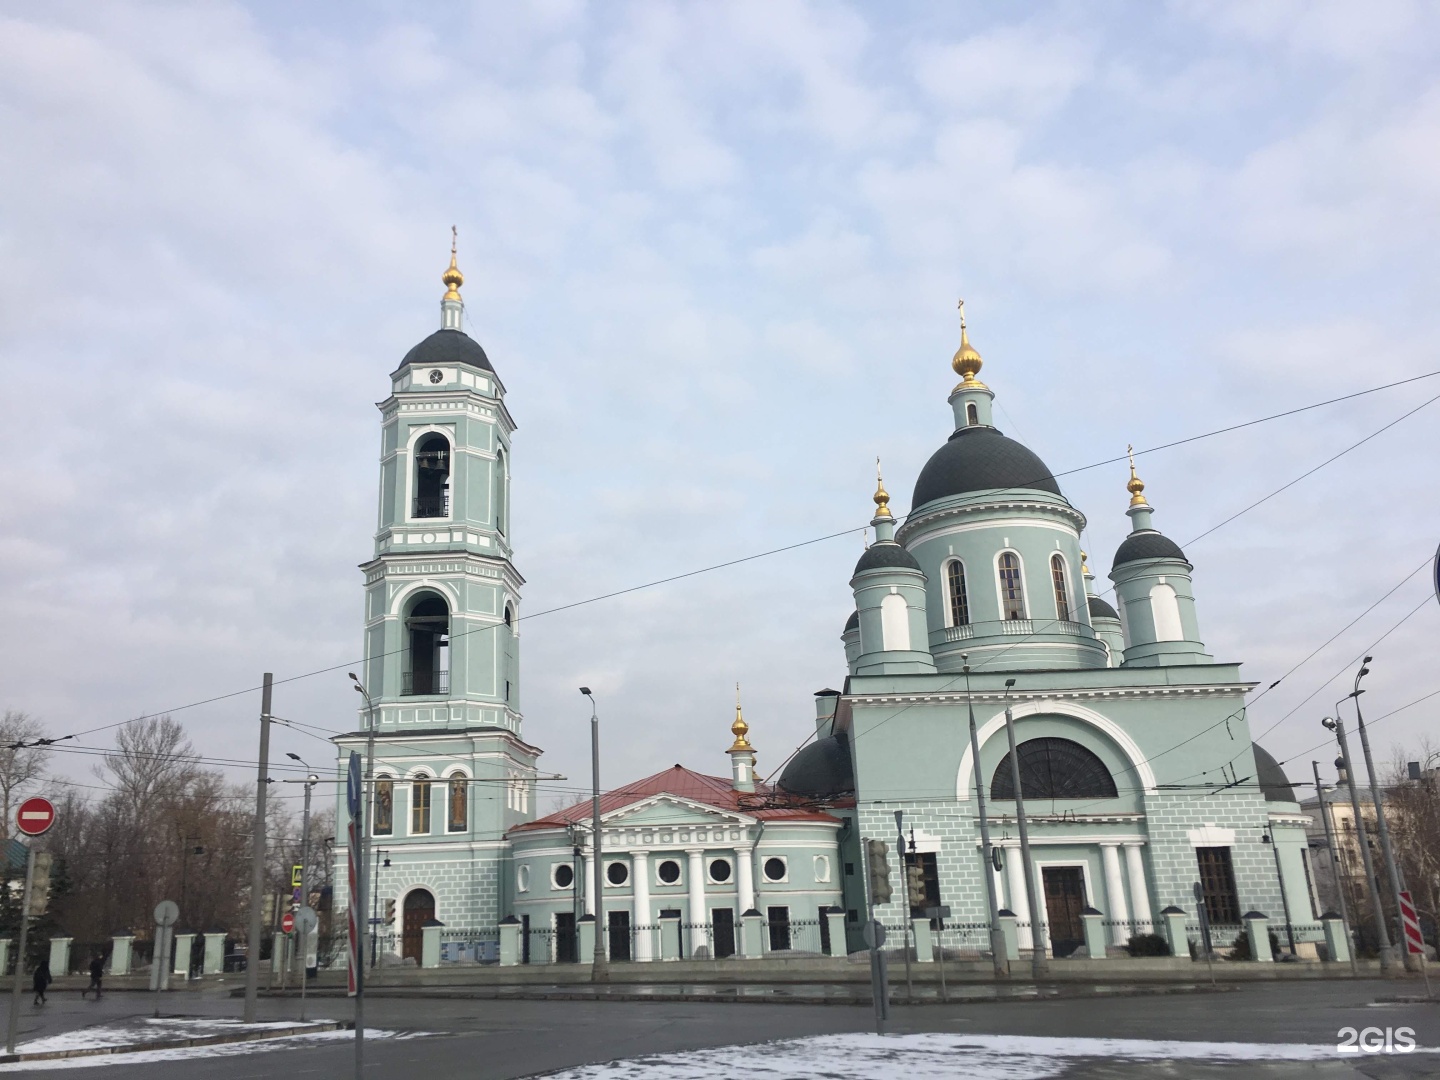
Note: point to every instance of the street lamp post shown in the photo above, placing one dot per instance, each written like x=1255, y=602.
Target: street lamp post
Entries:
x=1387, y=955
x=1039, y=962
x=600, y=968
x=362, y=864
x=1268, y=837
x=310, y=781
x=1334, y=858
x=1412, y=963
x=998, y=955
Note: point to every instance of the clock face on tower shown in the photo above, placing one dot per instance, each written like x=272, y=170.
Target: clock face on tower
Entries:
x=436, y=375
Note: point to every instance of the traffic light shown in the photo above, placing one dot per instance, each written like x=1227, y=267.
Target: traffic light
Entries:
x=879, y=871
x=915, y=885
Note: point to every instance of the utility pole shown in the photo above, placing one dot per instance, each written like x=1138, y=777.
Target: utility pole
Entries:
x=362, y=865
x=997, y=936
x=600, y=966
x=906, y=860
x=1334, y=859
x=1039, y=962
x=18, y=988
x=1387, y=954
x=1412, y=962
x=257, y=865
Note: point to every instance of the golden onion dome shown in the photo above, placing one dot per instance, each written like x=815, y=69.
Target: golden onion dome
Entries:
x=882, y=497
x=739, y=728
x=452, y=278
x=1136, y=486
x=967, y=362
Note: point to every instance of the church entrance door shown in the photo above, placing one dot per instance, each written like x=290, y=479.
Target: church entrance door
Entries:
x=419, y=909
x=1064, y=901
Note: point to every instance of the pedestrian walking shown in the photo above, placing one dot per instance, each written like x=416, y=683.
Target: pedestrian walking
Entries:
x=97, y=969
x=42, y=980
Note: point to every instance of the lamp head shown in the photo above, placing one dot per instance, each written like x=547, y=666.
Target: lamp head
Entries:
x=1329, y=723
x=314, y=778
x=352, y=677
x=293, y=757
x=1009, y=683
x=586, y=691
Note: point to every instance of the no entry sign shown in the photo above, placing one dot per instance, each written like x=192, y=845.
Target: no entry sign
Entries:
x=287, y=922
x=35, y=816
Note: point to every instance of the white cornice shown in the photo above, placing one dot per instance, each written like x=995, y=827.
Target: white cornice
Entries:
x=919, y=520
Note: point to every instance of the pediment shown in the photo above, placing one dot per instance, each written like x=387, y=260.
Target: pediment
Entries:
x=665, y=809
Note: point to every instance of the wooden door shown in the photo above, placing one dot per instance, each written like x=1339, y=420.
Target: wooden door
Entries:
x=722, y=920
x=566, y=950
x=1064, y=900
x=419, y=909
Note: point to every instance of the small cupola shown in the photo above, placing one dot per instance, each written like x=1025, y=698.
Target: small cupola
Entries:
x=742, y=754
x=971, y=399
x=889, y=589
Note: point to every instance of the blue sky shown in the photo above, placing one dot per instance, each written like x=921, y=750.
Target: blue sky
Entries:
x=714, y=252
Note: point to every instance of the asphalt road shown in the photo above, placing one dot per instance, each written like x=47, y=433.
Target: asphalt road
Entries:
x=498, y=1040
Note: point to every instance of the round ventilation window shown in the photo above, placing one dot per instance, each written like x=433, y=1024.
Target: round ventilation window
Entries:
x=719, y=870
x=669, y=871
x=564, y=876
x=617, y=873
x=774, y=869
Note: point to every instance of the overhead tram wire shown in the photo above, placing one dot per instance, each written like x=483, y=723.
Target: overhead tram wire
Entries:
x=788, y=547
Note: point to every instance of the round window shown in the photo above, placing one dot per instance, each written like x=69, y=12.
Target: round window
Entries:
x=669, y=871
x=522, y=879
x=774, y=869
x=437, y=376
x=719, y=870
x=564, y=876
x=617, y=873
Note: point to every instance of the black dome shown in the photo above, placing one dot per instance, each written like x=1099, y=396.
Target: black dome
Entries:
x=823, y=769
x=852, y=623
x=1147, y=545
x=979, y=459
x=448, y=347
x=1274, y=784
x=1099, y=609
x=886, y=553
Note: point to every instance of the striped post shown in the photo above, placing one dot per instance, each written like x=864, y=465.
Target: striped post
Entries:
x=1410, y=923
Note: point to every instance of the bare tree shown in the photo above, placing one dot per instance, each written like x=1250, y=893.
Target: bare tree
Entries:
x=21, y=762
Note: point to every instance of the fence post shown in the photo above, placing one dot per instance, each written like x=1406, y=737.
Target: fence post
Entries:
x=430, y=943
x=60, y=956
x=670, y=937
x=752, y=934
x=586, y=938
x=510, y=941
x=1010, y=930
x=835, y=919
x=924, y=946
x=1175, y=930
x=120, y=949
x=1337, y=941
x=4, y=955
x=1257, y=929
x=1094, y=922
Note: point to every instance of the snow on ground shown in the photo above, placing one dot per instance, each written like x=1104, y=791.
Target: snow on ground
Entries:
x=927, y=1057
x=178, y=1029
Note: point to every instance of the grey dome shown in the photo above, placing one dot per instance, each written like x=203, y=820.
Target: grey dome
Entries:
x=1099, y=609
x=1147, y=545
x=980, y=459
x=822, y=770
x=852, y=623
x=448, y=347
x=886, y=553
x=1274, y=784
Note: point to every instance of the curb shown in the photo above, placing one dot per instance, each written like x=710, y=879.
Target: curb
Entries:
x=177, y=1044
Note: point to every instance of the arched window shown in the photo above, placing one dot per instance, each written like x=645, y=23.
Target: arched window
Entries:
x=432, y=477
x=1012, y=591
x=429, y=654
x=959, y=602
x=499, y=495
x=382, y=815
x=1054, y=769
x=420, y=806
x=459, y=817
x=1165, y=610
x=1062, y=591
x=972, y=414
x=895, y=623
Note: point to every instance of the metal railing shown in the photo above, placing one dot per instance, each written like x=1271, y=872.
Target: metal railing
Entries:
x=424, y=683
x=431, y=506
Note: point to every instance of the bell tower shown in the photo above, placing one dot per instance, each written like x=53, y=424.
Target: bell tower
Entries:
x=441, y=592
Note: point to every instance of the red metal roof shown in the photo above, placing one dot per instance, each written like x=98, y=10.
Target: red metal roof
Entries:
x=683, y=783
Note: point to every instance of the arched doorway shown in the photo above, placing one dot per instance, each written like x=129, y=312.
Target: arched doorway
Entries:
x=419, y=909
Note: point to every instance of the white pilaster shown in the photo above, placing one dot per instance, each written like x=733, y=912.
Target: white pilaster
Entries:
x=1119, y=912
x=699, y=934
x=1019, y=897
x=745, y=880
x=640, y=878
x=588, y=886
x=1139, y=891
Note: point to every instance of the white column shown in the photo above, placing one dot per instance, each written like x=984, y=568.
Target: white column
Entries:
x=698, y=916
x=640, y=877
x=1139, y=891
x=587, y=883
x=1119, y=912
x=745, y=882
x=1019, y=897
